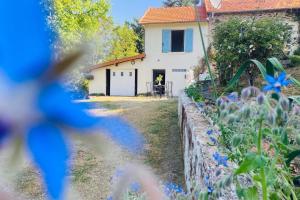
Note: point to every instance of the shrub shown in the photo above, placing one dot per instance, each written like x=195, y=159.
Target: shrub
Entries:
x=295, y=60
x=238, y=40
x=297, y=52
x=193, y=91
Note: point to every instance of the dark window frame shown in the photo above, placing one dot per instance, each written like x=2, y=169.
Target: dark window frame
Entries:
x=177, y=41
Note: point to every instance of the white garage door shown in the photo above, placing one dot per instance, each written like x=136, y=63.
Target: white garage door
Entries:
x=122, y=82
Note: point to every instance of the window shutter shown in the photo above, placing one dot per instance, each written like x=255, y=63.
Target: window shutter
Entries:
x=188, y=40
x=166, y=41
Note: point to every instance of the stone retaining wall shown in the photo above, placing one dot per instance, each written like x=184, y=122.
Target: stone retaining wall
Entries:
x=200, y=168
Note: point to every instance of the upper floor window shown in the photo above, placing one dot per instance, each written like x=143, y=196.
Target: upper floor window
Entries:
x=177, y=41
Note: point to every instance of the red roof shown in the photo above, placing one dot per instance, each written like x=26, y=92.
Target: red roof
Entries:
x=118, y=61
x=231, y=6
x=173, y=15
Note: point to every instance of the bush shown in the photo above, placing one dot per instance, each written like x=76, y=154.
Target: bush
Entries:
x=238, y=40
x=193, y=91
x=297, y=52
x=295, y=60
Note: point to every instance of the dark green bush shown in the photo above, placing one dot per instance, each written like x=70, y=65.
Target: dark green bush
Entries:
x=297, y=52
x=193, y=91
x=295, y=60
x=238, y=40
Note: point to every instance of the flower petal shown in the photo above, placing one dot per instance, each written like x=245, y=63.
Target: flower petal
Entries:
x=122, y=132
x=49, y=152
x=4, y=132
x=25, y=51
x=277, y=89
x=282, y=76
x=286, y=82
x=270, y=79
x=267, y=88
x=56, y=104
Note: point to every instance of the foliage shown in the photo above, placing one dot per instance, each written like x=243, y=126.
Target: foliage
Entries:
x=193, y=91
x=179, y=3
x=238, y=40
x=297, y=52
x=140, y=32
x=263, y=130
x=124, y=43
x=159, y=79
x=272, y=65
x=78, y=21
x=295, y=60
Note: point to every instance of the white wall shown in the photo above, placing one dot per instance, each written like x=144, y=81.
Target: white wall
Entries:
x=155, y=59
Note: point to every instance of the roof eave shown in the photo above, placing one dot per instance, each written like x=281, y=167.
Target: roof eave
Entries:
x=117, y=62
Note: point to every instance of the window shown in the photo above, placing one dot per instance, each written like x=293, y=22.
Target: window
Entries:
x=130, y=73
x=177, y=41
x=114, y=73
x=122, y=73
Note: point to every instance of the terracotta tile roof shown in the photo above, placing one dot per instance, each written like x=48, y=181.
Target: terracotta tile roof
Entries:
x=173, y=15
x=118, y=61
x=231, y=6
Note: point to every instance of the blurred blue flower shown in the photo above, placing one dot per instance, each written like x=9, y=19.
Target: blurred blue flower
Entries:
x=208, y=184
x=172, y=188
x=135, y=187
x=233, y=96
x=210, y=189
x=221, y=160
x=25, y=60
x=275, y=83
x=210, y=132
x=213, y=140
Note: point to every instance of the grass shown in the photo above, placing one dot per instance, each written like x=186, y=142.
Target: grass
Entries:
x=159, y=124
x=91, y=174
x=85, y=162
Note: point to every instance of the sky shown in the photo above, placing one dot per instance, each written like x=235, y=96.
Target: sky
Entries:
x=127, y=10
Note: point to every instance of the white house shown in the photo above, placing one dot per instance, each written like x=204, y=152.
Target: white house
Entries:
x=172, y=48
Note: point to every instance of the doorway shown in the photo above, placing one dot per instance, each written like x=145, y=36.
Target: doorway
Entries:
x=159, y=81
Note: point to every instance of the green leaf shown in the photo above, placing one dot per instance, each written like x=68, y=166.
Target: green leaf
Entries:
x=274, y=196
x=243, y=68
x=284, y=137
x=251, y=162
x=251, y=193
x=237, y=140
x=292, y=156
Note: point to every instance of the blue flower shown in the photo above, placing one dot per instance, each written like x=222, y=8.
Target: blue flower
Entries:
x=221, y=160
x=275, y=83
x=172, y=188
x=233, y=96
x=208, y=184
x=210, y=189
x=135, y=187
x=210, y=132
x=213, y=140
x=47, y=110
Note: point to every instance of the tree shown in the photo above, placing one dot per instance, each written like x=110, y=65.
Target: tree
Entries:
x=140, y=32
x=238, y=40
x=179, y=3
x=124, y=43
x=78, y=21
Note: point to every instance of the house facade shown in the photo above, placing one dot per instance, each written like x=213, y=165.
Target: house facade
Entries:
x=172, y=49
x=173, y=45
